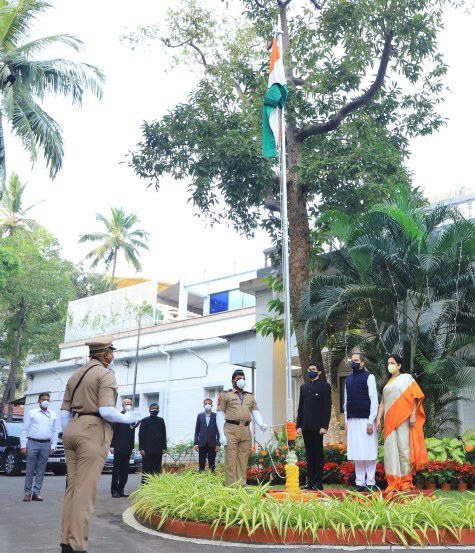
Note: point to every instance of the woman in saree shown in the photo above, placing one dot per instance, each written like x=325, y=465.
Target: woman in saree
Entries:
x=404, y=417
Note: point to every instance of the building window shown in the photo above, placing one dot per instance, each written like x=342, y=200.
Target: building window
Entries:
x=213, y=394
x=153, y=398
x=230, y=300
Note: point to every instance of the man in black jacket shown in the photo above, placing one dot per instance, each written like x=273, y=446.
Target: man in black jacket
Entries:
x=206, y=436
x=152, y=442
x=121, y=446
x=313, y=420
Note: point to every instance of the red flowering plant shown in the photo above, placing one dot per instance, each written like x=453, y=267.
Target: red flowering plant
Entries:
x=441, y=471
x=380, y=475
x=331, y=473
x=347, y=472
x=464, y=472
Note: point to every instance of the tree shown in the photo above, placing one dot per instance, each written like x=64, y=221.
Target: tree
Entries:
x=403, y=283
x=33, y=303
x=12, y=212
x=25, y=81
x=87, y=283
x=118, y=236
x=363, y=78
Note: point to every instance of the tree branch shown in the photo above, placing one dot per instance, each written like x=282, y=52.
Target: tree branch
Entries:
x=200, y=52
x=318, y=5
x=337, y=118
x=262, y=4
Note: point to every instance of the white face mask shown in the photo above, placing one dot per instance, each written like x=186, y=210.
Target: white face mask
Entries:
x=44, y=404
x=241, y=383
x=128, y=408
x=208, y=407
x=392, y=368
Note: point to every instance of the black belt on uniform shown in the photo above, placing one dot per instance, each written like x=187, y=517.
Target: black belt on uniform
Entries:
x=41, y=441
x=238, y=423
x=88, y=414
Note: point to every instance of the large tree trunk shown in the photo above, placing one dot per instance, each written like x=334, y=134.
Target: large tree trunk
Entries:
x=114, y=263
x=10, y=388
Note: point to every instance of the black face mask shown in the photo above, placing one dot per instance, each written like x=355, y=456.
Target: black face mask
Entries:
x=154, y=412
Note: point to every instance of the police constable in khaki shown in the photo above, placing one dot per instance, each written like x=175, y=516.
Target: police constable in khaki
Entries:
x=236, y=409
x=87, y=410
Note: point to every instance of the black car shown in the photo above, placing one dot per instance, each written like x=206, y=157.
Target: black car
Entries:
x=135, y=461
x=12, y=462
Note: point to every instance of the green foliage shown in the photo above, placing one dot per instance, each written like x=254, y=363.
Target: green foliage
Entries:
x=202, y=497
x=402, y=282
x=25, y=80
x=179, y=454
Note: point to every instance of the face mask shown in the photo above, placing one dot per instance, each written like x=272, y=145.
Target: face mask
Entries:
x=312, y=374
x=208, y=407
x=128, y=408
x=392, y=368
x=44, y=404
x=111, y=365
x=241, y=383
x=355, y=365
x=154, y=412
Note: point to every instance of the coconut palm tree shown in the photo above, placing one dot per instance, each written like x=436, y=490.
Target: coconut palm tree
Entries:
x=403, y=283
x=25, y=80
x=118, y=236
x=12, y=212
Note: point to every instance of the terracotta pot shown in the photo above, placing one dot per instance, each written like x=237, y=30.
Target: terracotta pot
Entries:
x=472, y=484
x=172, y=468
x=419, y=486
x=430, y=486
x=446, y=486
x=462, y=486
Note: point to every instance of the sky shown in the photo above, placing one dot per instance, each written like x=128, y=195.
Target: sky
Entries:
x=98, y=137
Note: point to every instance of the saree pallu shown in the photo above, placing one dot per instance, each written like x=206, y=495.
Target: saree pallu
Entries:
x=404, y=447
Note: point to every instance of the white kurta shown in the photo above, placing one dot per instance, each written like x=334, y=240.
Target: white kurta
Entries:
x=362, y=446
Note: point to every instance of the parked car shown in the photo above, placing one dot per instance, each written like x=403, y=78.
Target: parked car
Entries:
x=135, y=461
x=12, y=462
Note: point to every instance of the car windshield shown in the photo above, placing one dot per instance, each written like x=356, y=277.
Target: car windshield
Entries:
x=13, y=428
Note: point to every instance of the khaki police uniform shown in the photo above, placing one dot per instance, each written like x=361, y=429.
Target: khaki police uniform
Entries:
x=86, y=443
x=238, y=407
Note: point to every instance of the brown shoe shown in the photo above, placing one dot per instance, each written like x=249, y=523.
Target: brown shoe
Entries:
x=27, y=498
x=36, y=497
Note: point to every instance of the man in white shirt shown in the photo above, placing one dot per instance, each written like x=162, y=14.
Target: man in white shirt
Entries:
x=361, y=407
x=38, y=440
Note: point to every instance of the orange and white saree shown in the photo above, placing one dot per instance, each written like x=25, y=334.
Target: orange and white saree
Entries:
x=404, y=447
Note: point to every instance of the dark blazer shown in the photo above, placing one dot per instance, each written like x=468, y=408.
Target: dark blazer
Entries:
x=152, y=435
x=206, y=435
x=123, y=438
x=315, y=405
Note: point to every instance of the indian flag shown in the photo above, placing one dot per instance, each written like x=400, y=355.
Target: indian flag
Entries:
x=274, y=99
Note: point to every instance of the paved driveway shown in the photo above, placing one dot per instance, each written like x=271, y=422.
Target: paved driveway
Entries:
x=34, y=526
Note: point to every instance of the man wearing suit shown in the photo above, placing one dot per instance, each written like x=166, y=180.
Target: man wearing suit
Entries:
x=123, y=438
x=152, y=442
x=313, y=419
x=206, y=436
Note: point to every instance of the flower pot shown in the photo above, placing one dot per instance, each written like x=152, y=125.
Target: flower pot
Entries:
x=430, y=486
x=462, y=486
x=446, y=486
x=419, y=486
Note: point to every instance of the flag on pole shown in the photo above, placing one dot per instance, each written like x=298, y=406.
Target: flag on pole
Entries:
x=273, y=100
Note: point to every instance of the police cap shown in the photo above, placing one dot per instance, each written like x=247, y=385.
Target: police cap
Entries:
x=237, y=372
x=98, y=345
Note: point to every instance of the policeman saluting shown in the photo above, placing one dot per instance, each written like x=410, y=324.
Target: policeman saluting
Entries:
x=236, y=408
x=87, y=409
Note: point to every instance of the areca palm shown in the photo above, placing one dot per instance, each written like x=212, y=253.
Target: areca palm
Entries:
x=403, y=283
x=12, y=213
x=118, y=236
x=26, y=80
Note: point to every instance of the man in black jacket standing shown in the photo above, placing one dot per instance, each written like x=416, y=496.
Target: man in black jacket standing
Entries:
x=121, y=446
x=206, y=436
x=152, y=441
x=313, y=420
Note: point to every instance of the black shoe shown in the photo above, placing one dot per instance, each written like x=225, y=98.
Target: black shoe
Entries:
x=318, y=487
x=123, y=494
x=307, y=486
x=362, y=489
x=374, y=488
x=116, y=494
x=66, y=548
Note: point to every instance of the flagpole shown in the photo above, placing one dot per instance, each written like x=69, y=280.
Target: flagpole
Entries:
x=285, y=249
